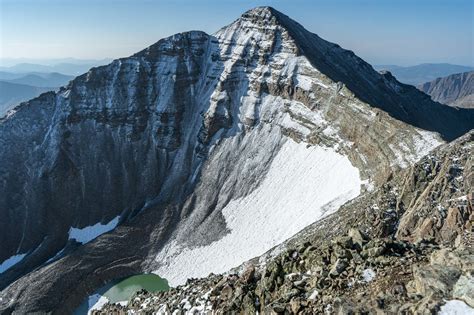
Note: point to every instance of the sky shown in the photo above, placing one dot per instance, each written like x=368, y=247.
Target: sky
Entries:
x=402, y=32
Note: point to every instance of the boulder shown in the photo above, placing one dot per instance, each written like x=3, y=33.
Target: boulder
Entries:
x=435, y=279
x=464, y=289
x=339, y=266
x=357, y=237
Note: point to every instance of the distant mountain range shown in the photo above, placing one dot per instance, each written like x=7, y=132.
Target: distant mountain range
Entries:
x=422, y=73
x=12, y=94
x=19, y=87
x=456, y=89
x=26, y=80
x=68, y=68
x=38, y=79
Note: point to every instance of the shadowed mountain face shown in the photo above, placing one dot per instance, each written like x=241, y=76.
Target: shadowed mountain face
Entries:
x=176, y=142
x=455, y=90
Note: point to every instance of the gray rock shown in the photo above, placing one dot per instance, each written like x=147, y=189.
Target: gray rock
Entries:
x=435, y=279
x=339, y=266
x=464, y=289
x=357, y=237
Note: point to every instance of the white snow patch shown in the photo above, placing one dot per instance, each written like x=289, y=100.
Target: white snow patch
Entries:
x=363, y=110
x=368, y=275
x=96, y=302
x=10, y=113
x=301, y=186
x=186, y=304
x=399, y=156
x=462, y=198
x=10, y=262
x=304, y=82
x=87, y=234
x=66, y=93
x=427, y=142
x=456, y=307
x=422, y=143
x=368, y=184
x=324, y=85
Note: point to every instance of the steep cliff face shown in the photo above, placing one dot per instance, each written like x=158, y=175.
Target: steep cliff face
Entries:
x=105, y=145
x=455, y=90
x=191, y=146
x=436, y=196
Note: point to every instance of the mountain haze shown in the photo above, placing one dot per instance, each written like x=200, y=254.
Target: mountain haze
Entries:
x=65, y=66
x=12, y=94
x=422, y=73
x=16, y=88
x=53, y=79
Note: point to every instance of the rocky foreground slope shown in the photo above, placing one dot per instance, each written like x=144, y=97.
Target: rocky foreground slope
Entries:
x=455, y=90
x=406, y=248
x=197, y=154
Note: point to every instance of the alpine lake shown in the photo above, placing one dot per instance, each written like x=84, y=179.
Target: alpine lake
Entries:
x=122, y=290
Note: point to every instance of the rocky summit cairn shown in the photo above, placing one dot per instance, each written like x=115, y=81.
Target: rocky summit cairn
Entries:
x=203, y=151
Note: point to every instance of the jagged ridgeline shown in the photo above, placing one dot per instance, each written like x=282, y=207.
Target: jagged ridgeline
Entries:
x=455, y=90
x=197, y=154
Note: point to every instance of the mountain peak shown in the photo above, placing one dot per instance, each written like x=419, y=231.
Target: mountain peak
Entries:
x=267, y=16
x=261, y=12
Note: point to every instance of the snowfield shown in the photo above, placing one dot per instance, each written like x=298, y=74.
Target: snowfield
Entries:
x=456, y=307
x=11, y=262
x=88, y=233
x=302, y=185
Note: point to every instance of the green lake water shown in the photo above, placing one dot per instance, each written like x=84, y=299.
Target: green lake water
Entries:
x=123, y=290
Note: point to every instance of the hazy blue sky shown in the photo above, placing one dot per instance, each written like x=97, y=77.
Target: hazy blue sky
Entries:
x=381, y=31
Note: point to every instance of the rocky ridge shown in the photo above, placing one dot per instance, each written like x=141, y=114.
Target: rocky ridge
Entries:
x=352, y=275
x=455, y=90
x=386, y=261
